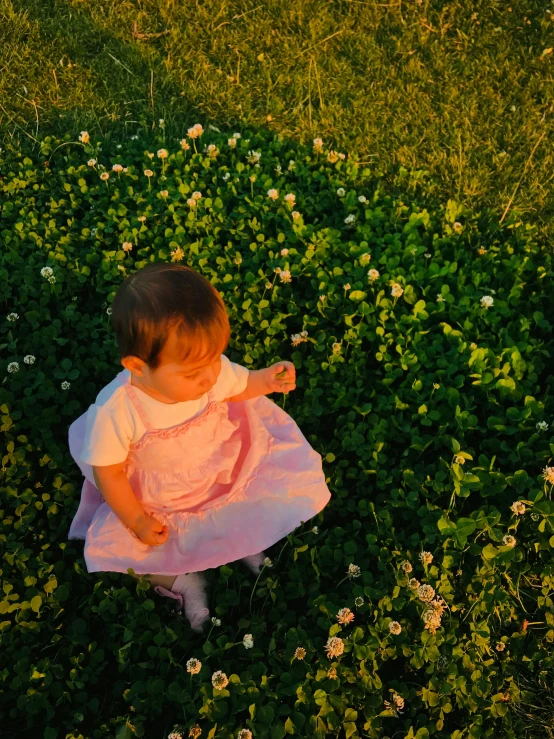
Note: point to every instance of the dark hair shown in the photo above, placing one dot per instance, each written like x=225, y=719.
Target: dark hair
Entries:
x=163, y=297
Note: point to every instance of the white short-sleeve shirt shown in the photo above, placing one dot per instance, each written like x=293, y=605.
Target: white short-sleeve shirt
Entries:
x=113, y=424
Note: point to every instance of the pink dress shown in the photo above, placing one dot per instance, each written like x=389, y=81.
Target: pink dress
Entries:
x=228, y=483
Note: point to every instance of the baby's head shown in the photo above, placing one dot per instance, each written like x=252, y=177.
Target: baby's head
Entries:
x=171, y=327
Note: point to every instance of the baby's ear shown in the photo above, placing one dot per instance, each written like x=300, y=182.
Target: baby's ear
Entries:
x=134, y=365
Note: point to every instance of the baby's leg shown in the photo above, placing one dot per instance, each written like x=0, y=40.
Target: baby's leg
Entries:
x=165, y=581
x=254, y=562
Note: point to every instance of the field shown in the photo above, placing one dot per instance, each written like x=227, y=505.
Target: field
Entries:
x=414, y=257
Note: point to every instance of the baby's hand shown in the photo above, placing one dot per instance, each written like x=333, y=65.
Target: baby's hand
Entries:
x=281, y=377
x=150, y=531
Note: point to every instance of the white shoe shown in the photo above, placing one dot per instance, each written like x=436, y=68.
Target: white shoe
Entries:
x=255, y=562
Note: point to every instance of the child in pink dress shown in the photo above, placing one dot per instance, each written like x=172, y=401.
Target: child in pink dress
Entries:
x=187, y=465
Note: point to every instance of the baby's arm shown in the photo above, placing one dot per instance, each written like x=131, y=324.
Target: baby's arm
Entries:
x=113, y=483
x=279, y=378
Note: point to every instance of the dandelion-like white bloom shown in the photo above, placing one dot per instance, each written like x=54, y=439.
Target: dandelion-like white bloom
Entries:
x=542, y=426
x=426, y=558
x=164, y=193
x=341, y=192
x=334, y=647
x=216, y=621
x=11, y=317
x=237, y=135
x=185, y=146
x=440, y=298
x=268, y=562
x=219, y=680
x=105, y=176
x=175, y=734
x=358, y=601
x=365, y=259
x=300, y=653
x=195, y=732
x=226, y=176
x=117, y=168
x=362, y=199
x=254, y=157
x=486, y=301
x=458, y=228
x=518, y=508
x=244, y=734
x=406, y=566
x=285, y=276
x=284, y=252
x=127, y=246
x=427, y=255
x=458, y=459
x=345, y=616
x=212, y=150
x=148, y=172
x=315, y=530
x=397, y=290
x=395, y=628
x=413, y=583
x=337, y=347
x=84, y=138
x=509, y=541
x=295, y=215
x=195, y=131
x=318, y=144
x=65, y=385
x=232, y=142
x=248, y=641
x=109, y=310
x=350, y=219
x=52, y=279
x=548, y=474
x=353, y=571
x=425, y=593
x=91, y=162
x=13, y=367
x=29, y=359
x=196, y=195
x=500, y=646
x=194, y=666
x=273, y=194
x=373, y=275
x=290, y=198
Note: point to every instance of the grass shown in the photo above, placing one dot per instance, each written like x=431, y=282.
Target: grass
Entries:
x=465, y=95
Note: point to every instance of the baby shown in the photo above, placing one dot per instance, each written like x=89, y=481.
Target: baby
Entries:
x=188, y=465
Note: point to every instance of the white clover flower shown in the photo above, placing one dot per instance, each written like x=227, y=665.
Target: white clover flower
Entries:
x=47, y=272
x=518, y=508
x=238, y=259
x=196, y=195
x=300, y=653
x=232, y=142
x=105, y=176
x=509, y=541
x=425, y=593
x=436, y=386
x=284, y=252
x=359, y=601
x=458, y=228
x=13, y=367
x=194, y=666
x=65, y=385
x=345, y=616
x=318, y=144
x=373, y=275
x=11, y=317
x=185, y=146
x=334, y=647
x=426, y=558
x=109, y=310
x=148, y=172
x=134, y=137
x=237, y=135
x=196, y=131
x=278, y=169
x=244, y=734
x=548, y=474
x=248, y=641
x=292, y=165
x=362, y=199
x=212, y=150
x=500, y=646
x=285, y=276
x=295, y=215
x=395, y=628
x=427, y=255
x=315, y=530
x=254, y=157
x=268, y=562
x=406, y=566
x=353, y=571
x=91, y=162
x=195, y=732
x=397, y=704
x=486, y=301
x=127, y=246
x=273, y=194
x=535, y=516
x=161, y=123
x=175, y=734
x=191, y=202
x=341, y=192
x=323, y=298
x=177, y=254
x=296, y=339
x=350, y=219
x=164, y=193
x=458, y=459
x=51, y=279
x=397, y=290
x=84, y=138
x=268, y=285
x=413, y=583
x=290, y=198
x=542, y=426
x=440, y=298
x=117, y=168
x=226, y=176
x=219, y=680
x=347, y=286
x=337, y=347
x=365, y=259
x=29, y=359
x=332, y=156
x=216, y=621
x=150, y=154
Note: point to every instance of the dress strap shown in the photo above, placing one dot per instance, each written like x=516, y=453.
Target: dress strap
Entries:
x=138, y=405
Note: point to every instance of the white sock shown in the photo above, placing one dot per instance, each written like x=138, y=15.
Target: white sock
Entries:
x=192, y=587
x=254, y=562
